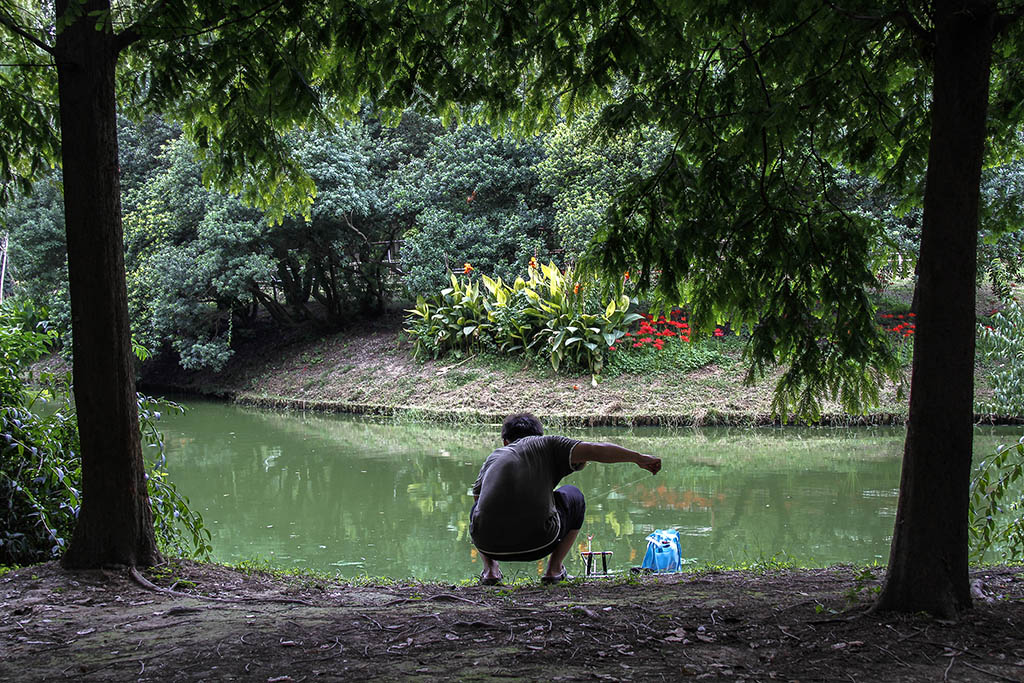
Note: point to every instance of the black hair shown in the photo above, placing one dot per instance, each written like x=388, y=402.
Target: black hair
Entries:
x=519, y=425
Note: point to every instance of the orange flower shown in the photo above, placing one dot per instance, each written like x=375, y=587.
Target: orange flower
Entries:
x=576, y=288
x=533, y=262
x=626, y=275
x=467, y=269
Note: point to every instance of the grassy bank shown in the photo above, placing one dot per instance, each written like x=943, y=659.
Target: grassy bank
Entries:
x=370, y=370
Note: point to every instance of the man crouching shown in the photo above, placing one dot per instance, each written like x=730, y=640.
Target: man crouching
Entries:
x=517, y=516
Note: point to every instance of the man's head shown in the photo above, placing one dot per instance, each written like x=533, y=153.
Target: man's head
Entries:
x=519, y=425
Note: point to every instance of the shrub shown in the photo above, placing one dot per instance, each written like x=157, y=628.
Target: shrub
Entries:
x=997, y=508
x=664, y=344
x=548, y=315
x=1001, y=342
x=900, y=328
x=41, y=471
x=475, y=197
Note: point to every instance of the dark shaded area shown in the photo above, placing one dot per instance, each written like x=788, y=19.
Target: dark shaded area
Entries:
x=222, y=624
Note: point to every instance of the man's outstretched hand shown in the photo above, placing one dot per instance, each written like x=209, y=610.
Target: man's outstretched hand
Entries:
x=649, y=463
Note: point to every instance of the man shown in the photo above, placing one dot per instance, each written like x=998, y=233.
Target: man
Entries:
x=517, y=516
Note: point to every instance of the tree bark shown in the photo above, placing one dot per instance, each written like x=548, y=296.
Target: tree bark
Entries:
x=929, y=554
x=115, y=523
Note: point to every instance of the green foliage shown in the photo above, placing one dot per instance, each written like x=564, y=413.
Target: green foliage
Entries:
x=997, y=505
x=475, y=198
x=677, y=356
x=584, y=170
x=201, y=264
x=38, y=468
x=572, y=335
x=1001, y=343
x=766, y=110
x=28, y=147
x=179, y=527
x=546, y=315
x=40, y=465
x=37, y=258
x=456, y=321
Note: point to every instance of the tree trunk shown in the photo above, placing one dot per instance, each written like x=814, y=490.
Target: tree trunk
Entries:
x=115, y=523
x=928, y=559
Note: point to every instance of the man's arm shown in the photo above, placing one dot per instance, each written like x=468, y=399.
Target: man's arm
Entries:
x=587, y=451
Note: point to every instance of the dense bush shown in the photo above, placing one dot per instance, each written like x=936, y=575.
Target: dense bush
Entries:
x=477, y=198
x=583, y=171
x=41, y=471
x=1001, y=343
x=664, y=344
x=547, y=315
x=997, y=505
x=38, y=481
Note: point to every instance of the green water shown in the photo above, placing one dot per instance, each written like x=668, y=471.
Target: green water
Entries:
x=392, y=499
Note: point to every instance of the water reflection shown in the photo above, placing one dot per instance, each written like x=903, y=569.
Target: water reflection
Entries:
x=362, y=497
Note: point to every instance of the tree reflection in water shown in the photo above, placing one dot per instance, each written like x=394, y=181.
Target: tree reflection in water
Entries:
x=392, y=498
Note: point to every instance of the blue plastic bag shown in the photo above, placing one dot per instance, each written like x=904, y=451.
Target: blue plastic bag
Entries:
x=663, y=552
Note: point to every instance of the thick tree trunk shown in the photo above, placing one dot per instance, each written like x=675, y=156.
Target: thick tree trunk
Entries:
x=928, y=560
x=115, y=523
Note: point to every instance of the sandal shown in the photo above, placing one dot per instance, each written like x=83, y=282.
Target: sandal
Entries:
x=550, y=580
x=490, y=580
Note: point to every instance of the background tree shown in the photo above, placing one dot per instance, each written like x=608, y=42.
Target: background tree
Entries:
x=37, y=257
x=475, y=199
x=584, y=169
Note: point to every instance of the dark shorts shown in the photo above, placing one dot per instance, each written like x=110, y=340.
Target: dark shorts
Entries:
x=571, y=507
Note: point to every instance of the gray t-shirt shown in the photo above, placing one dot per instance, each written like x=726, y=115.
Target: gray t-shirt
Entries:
x=515, y=512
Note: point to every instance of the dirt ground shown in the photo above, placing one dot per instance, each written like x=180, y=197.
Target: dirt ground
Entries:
x=205, y=622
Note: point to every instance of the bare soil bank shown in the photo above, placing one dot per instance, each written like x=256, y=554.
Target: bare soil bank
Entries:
x=222, y=624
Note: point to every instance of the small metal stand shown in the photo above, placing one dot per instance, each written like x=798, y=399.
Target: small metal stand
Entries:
x=588, y=561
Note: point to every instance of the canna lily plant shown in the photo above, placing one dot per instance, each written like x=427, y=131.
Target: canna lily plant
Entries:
x=546, y=314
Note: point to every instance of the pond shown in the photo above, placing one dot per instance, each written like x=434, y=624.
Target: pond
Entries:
x=360, y=497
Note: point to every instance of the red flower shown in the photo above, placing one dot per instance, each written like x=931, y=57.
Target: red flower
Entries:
x=612, y=348
x=719, y=332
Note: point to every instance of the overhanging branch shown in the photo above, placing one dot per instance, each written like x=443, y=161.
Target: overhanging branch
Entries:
x=19, y=31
